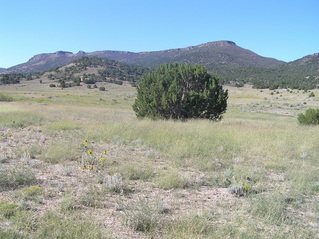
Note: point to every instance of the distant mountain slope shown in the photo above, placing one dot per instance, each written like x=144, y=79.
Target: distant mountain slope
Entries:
x=208, y=54
x=302, y=73
x=2, y=69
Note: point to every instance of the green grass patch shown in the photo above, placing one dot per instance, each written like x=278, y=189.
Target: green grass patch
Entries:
x=53, y=225
x=62, y=126
x=15, y=178
x=61, y=151
x=19, y=119
x=170, y=179
x=5, y=97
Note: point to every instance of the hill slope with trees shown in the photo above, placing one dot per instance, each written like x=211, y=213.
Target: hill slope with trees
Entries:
x=91, y=70
x=300, y=74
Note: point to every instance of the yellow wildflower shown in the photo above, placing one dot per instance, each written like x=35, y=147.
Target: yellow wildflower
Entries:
x=85, y=141
x=89, y=166
x=102, y=159
x=82, y=169
x=105, y=152
x=90, y=152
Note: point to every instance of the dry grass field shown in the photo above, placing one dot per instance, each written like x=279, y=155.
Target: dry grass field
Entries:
x=76, y=163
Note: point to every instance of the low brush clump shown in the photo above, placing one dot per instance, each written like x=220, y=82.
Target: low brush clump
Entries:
x=311, y=117
x=15, y=178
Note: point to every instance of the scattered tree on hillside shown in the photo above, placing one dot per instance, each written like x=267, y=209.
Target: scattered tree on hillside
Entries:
x=13, y=78
x=310, y=117
x=107, y=71
x=180, y=91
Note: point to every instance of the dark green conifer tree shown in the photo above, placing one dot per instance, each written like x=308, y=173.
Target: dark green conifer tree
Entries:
x=180, y=91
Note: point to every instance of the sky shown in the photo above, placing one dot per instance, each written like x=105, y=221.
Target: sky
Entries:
x=283, y=29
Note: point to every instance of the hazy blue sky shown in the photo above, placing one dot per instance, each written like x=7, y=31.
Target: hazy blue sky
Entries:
x=282, y=29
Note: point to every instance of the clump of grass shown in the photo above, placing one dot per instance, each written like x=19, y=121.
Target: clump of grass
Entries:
x=142, y=216
x=198, y=226
x=5, y=97
x=137, y=172
x=8, y=210
x=222, y=179
x=92, y=197
x=114, y=183
x=27, y=154
x=64, y=125
x=3, y=158
x=59, y=152
x=67, y=203
x=32, y=192
x=52, y=225
x=270, y=208
x=171, y=180
x=15, y=178
x=10, y=235
x=20, y=119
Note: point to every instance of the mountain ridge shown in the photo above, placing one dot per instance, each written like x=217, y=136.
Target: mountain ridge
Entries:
x=208, y=54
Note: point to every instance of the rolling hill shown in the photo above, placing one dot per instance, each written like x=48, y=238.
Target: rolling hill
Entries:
x=302, y=74
x=90, y=70
x=210, y=54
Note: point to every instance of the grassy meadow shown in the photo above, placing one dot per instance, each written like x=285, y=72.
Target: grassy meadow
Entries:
x=76, y=163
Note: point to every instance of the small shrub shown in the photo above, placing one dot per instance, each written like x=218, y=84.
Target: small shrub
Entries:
x=59, y=151
x=171, y=180
x=237, y=189
x=102, y=88
x=31, y=192
x=142, y=216
x=4, y=97
x=272, y=209
x=8, y=210
x=310, y=117
x=224, y=179
x=114, y=183
x=14, y=178
x=92, y=197
x=197, y=226
x=52, y=85
x=312, y=94
x=118, y=82
x=67, y=203
x=3, y=158
x=137, y=172
x=10, y=235
x=53, y=225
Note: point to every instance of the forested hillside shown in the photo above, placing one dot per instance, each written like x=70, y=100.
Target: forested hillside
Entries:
x=300, y=74
x=11, y=78
x=94, y=69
